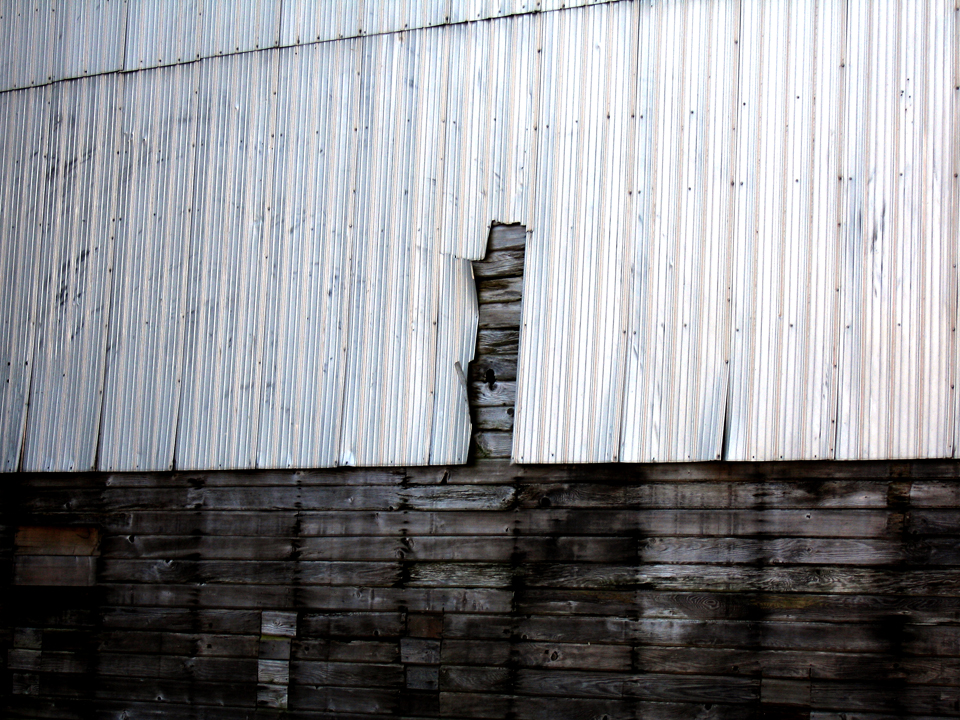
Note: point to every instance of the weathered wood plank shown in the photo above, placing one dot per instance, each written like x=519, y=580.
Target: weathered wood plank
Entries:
x=500, y=290
x=351, y=650
x=366, y=675
x=493, y=418
x=493, y=367
x=45, y=540
x=262, y=572
x=500, y=393
x=368, y=700
x=547, y=521
x=135, y=616
x=332, y=598
x=170, y=642
x=499, y=315
x=498, y=342
x=170, y=667
x=506, y=237
x=55, y=570
x=500, y=263
x=490, y=444
x=694, y=495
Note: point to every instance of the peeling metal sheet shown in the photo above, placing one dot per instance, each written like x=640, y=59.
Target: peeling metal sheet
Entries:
x=24, y=121
x=76, y=260
x=146, y=350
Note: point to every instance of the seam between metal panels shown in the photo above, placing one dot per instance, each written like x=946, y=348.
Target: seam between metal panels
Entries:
x=279, y=45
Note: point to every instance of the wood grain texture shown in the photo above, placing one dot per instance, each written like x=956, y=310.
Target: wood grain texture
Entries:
x=494, y=590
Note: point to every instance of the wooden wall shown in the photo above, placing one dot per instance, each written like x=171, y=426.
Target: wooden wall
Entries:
x=712, y=591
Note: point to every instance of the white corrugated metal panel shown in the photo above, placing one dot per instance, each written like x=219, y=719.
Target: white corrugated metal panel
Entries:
x=145, y=355
x=162, y=32
x=676, y=375
x=79, y=224
x=575, y=300
x=92, y=36
x=783, y=378
x=310, y=244
x=308, y=21
x=28, y=39
x=900, y=246
x=24, y=120
x=231, y=27
x=220, y=406
x=795, y=158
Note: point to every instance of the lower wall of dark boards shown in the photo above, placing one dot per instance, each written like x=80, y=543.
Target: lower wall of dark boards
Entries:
x=787, y=590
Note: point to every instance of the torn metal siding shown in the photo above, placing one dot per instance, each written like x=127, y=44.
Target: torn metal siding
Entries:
x=146, y=348
x=79, y=224
x=24, y=124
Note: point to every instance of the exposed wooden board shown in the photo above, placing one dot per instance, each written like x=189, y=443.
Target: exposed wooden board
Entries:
x=455, y=678
x=886, y=696
x=498, y=342
x=665, y=688
x=493, y=418
x=273, y=672
x=250, y=572
x=369, y=700
x=198, y=546
x=503, y=367
x=55, y=570
x=935, y=493
x=933, y=522
x=422, y=677
x=170, y=667
x=506, y=237
x=351, y=625
x=140, y=616
x=222, y=694
x=495, y=315
x=501, y=263
x=661, y=523
x=170, y=642
x=785, y=551
x=779, y=495
x=500, y=290
x=79, y=541
x=260, y=478
x=336, y=599
x=492, y=444
x=280, y=624
x=272, y=696
x=420, y=651
x=351, y=650
x=503, y=393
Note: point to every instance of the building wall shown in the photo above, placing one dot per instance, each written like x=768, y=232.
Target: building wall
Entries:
x=493, y=590
x=817, y=590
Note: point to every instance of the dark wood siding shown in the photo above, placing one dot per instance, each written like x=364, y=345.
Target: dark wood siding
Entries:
x=717, y=590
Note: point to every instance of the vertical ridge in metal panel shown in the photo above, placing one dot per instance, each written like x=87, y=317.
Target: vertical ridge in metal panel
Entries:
x=24, y=124
x=79, y=224
x=162, y=32
x=307, y=277
x=232, y=27
x=146, y=349
x=221, y=405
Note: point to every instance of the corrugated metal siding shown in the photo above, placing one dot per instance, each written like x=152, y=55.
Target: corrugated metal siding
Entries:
x=232, y=27
x=76, y=261
x=43, y=41
x=220, y=410
x=146, y=349
x=743, y=219
x=310, y=243
x=569, y=400
x=796, y=215
x=900, y=249
x=24, y=121
x=162, y=32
